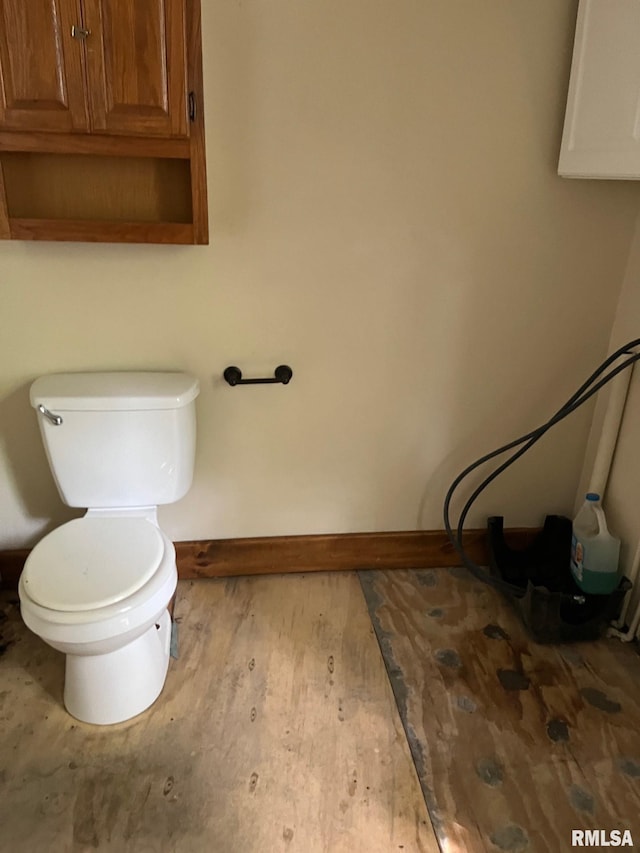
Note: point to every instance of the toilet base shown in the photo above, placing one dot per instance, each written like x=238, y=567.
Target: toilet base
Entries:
x=111, y=688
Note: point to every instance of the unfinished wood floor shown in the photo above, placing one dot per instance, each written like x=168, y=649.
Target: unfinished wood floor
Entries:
x=277, y=730
x=516, y=743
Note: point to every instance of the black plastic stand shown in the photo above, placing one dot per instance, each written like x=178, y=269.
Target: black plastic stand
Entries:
x=552, y=606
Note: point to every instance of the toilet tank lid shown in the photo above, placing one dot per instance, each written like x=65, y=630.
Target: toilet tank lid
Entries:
x=114, y=391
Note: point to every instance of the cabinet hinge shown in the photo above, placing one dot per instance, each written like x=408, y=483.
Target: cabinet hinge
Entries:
x=192, y=106
x=80, y=32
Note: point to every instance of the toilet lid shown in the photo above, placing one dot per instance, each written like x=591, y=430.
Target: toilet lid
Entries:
x=92, y=562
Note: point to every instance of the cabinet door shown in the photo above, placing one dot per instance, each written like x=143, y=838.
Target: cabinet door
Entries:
x=41, y=66
x=601, y=137
x=136, y=67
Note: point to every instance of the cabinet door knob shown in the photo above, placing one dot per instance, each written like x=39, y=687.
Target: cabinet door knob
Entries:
x=80, y=32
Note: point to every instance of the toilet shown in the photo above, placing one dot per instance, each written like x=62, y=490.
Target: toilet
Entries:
x=97, y=588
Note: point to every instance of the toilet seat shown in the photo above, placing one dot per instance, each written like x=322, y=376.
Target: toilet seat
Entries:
x=90, y=563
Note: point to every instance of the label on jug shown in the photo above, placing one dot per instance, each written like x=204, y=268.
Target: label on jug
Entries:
x=577, y=557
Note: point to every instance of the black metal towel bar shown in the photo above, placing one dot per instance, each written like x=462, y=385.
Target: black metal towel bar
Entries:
x=282, y=374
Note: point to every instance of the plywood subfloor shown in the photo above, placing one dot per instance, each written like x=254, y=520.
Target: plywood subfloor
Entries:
x=516, y=743
x=277, y=731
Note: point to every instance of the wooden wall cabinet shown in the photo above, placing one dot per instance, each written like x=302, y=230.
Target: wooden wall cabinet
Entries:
x=41, y=67
x=101, y=121
x=601, y=137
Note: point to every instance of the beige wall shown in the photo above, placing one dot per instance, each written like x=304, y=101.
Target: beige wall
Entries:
x=387, y=219
x=623, y=488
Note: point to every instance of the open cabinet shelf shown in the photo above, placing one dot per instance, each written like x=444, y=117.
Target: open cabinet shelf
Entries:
x=82, y=231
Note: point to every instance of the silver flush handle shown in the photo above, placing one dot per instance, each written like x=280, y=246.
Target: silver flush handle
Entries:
x=56, y=420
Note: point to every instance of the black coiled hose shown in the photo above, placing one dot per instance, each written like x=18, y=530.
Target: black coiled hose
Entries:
x=585, y=392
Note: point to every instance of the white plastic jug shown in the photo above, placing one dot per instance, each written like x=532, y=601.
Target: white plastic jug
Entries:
x=594, y=551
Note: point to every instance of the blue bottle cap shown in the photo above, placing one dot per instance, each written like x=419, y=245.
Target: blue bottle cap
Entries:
x=592, y=496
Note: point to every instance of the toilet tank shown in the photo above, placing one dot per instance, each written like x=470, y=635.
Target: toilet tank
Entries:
x=123, y=439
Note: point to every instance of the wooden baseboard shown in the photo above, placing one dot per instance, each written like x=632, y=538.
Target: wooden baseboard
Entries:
x=322, y=553
x=216, y=558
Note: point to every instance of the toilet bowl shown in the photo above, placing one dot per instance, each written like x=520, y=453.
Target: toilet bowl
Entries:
x=97, y=588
